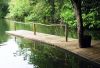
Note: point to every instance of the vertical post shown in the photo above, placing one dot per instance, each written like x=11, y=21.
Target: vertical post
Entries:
x=66, y=32
x=14, y=25
x=15, y=29
x=34, y=27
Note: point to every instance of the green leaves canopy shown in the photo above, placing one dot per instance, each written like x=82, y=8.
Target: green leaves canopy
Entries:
x=55, y=11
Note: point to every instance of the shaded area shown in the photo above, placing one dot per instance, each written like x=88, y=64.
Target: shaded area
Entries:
x=3, y=8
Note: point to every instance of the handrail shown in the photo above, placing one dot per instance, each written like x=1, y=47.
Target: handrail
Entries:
x=34, y=27
x=65, y=25
x=42, y=24
x=50, y=24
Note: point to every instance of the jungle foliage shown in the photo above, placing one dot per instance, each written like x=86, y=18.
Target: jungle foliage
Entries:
x=91, y=13
x=3, y=8
x=44, y=11
x=54, y=11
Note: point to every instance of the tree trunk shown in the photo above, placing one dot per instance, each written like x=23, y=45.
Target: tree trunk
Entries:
x=52, y=3
x=77, y=9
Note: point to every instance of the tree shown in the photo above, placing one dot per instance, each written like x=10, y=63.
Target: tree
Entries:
x=19, y=9
x=77, y=9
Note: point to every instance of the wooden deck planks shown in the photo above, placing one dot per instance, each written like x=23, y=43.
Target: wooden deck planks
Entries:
x=92, y=54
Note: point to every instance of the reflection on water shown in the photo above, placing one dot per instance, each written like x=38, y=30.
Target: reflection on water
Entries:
x=29, y=54
x=8, y=58
x=8, y=48
x=43, y=55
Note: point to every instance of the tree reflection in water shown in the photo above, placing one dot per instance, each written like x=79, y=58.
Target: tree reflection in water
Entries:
x=3, y=27
x=43, y=55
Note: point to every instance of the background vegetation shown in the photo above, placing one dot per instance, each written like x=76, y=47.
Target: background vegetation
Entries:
x=51, y=11
x=3, y=8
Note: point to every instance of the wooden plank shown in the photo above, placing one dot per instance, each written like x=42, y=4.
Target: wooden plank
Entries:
x=92, y=54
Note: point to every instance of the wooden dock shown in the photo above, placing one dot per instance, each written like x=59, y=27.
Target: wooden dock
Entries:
x=92, y=54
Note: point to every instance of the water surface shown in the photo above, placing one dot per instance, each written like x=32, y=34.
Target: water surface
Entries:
x=8, y=58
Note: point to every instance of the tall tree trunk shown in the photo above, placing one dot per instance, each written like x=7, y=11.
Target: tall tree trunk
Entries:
x=52, y=3
x=77, y=9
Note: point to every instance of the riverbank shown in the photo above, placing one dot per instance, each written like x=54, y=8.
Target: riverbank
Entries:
x=91, y=54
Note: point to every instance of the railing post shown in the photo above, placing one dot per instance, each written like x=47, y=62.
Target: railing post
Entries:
x=14, y=25
x=66, y=32
x=34, y=28
x=15, y=30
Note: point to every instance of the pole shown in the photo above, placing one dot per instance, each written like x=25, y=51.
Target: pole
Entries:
x=34, y=27
x=66, y=32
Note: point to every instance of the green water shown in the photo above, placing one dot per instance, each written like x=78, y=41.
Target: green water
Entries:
x=21, y=53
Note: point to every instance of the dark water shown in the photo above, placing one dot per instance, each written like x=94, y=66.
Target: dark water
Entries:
x=21, y=53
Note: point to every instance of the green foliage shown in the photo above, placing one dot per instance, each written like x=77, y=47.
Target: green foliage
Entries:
x=90, y=20
x=44, y=11
x=55, y=11
x=67, y=14
x=91, y=13
x=38, y=12
x=3, y=27
x=3, y=8
x=19, y=9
